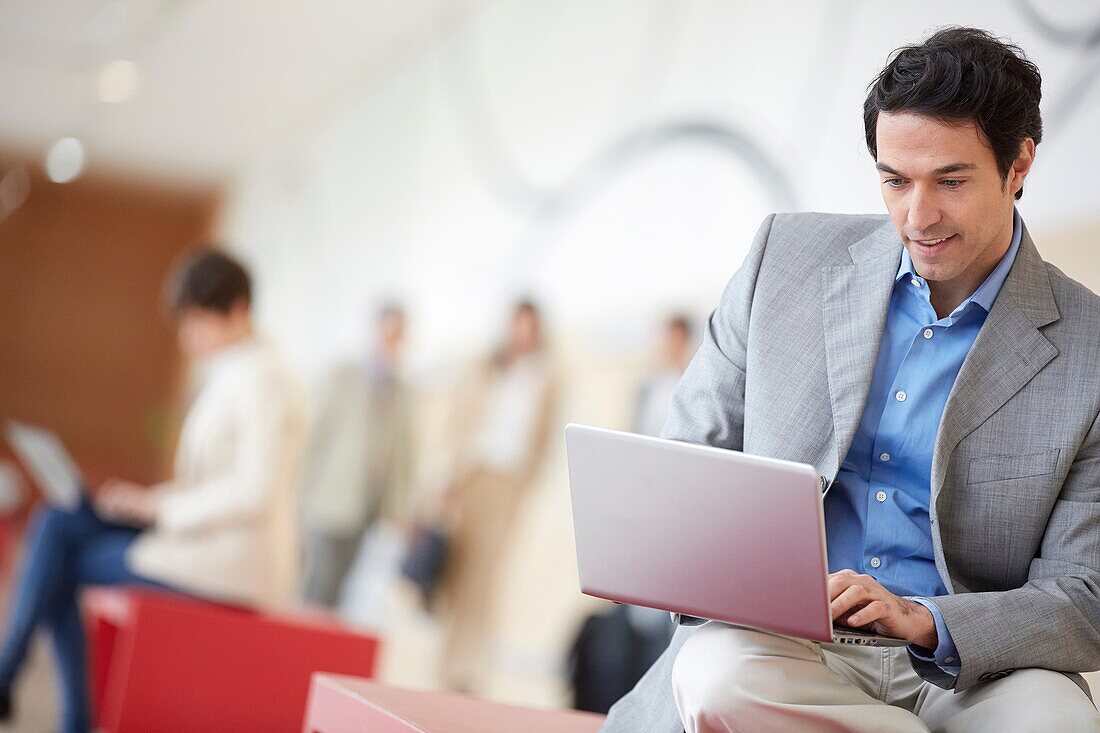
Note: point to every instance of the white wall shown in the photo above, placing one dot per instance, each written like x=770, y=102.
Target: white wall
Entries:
x=392, y=190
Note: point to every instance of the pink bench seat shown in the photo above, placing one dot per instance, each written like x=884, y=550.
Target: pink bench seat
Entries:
x=340, y=704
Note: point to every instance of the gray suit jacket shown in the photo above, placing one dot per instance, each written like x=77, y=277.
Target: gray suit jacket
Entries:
x=784, y=371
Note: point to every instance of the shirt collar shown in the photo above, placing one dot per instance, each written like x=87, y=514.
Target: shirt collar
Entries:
x=988, y=290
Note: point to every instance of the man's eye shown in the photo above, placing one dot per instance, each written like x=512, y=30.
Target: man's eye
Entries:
x=951, y=183
x=893, y=182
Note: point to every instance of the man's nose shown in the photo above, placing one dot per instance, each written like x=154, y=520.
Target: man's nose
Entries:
x=924, y=213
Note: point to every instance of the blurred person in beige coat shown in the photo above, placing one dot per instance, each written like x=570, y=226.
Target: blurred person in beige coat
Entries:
x=222, y=528
x=503, y=421
x=225, y=526
x=359, y=464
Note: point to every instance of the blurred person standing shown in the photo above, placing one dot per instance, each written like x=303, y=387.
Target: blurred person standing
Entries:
x=614, y=648
x=222, y=528
x=503, y=421
x=359, y=465
x=655, y=394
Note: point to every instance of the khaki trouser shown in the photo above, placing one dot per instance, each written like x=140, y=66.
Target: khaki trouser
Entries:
x=486, y=505
x=731, y=679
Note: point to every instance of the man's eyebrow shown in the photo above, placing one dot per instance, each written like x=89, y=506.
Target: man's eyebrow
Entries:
x=954, y=168
x=941, y=171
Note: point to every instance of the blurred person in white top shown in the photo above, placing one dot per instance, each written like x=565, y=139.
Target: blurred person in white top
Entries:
x=502, y=424
x=222, y=528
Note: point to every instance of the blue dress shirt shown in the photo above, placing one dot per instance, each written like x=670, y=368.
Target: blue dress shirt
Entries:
x=876, y=513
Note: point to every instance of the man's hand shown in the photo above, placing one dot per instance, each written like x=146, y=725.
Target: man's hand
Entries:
x=859, y=601
x=127, y=503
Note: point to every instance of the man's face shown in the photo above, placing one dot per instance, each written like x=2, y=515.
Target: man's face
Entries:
x=391, y=333
x=946, y=197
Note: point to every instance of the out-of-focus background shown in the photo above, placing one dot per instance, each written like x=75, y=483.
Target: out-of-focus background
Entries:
x=610, y=161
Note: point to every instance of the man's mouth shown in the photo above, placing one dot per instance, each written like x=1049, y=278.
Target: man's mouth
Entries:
x=932, y=246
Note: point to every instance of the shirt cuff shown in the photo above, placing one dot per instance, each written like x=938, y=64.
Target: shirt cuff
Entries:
x=945, y=656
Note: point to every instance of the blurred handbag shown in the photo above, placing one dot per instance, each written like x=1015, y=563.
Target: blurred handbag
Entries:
x=425, y=560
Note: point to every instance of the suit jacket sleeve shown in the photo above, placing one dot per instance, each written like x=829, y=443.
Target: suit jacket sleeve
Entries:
x=1052, y=621
x=708, y=407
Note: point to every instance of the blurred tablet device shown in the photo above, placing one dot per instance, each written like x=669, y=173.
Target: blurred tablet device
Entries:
x=48, y=462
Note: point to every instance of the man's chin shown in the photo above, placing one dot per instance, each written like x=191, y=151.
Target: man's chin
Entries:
x=934, y=273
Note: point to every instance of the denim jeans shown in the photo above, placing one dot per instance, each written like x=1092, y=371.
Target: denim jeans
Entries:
x=63, y=552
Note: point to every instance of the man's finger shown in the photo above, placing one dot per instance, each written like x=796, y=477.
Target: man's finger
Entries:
x=839, y=582
x=873, y=611
x=852, y=597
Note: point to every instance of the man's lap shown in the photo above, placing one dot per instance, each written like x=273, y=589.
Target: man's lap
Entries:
x=760, y=679
x=1026, y=700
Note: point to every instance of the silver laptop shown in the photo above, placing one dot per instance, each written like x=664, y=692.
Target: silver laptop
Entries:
x=51, y=465
x=702, y=531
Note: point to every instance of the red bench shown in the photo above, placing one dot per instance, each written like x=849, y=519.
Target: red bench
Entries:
x=166, y=663
x=339, y=704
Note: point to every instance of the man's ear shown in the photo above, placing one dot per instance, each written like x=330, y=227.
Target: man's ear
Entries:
x=1022, y=165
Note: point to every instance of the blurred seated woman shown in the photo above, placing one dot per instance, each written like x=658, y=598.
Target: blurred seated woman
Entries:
x=222, y=528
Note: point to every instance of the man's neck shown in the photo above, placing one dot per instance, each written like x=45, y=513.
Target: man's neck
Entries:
x=946, y=297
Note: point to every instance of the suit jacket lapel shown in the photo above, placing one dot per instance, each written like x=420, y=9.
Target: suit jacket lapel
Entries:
x=1008, y=352
x=855, y=300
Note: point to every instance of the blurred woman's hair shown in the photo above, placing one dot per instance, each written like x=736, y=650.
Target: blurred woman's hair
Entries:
x=524, y=307
x=207, y=278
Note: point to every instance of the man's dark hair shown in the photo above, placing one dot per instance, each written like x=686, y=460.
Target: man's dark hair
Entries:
x=207, y=278
x=957, y=75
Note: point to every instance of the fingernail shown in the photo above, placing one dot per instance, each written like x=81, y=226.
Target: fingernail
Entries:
x=854, y=620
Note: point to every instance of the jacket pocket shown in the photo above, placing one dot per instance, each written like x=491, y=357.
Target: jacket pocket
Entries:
x=1004, y=468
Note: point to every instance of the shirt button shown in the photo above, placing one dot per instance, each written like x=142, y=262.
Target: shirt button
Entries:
x=900, y=396
x=884, y=457
x=928, y=333
x=948, y=660
x=916, y=282
x=875, y=562
x=880, y=496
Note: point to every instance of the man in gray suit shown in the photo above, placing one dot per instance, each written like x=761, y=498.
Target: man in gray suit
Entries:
x=944, y=380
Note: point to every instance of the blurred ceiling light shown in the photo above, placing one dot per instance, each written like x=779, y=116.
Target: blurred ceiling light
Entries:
x=65, y=160
x=15, y=186
x=117, y=81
